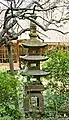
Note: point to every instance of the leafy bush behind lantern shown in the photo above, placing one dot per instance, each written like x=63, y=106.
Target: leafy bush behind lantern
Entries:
x=56, y=94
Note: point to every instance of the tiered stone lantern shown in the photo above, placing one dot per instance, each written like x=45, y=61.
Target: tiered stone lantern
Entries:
x=33, y=72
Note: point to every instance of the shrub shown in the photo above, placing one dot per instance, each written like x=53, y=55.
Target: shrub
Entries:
x=8, y=97
x=57, y=87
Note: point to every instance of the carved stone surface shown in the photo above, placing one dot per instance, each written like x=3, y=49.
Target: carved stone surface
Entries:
x=34, y=44
x=34, y=88
x=35, y=72
x=33, y=58
x=32, y=68
x=34, y=92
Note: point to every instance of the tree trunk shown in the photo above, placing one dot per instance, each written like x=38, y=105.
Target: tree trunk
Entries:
x=10, y=57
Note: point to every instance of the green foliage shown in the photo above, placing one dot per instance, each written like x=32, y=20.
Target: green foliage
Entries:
x=57, y=83
x=58, y=66
x=56, y=94
x=7, y=87
x=56, y=119
x=8, y=97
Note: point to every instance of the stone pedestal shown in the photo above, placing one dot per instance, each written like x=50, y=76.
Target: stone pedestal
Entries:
x=34, y=98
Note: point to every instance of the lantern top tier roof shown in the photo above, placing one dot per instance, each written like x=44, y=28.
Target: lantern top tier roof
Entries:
x=34, y=58
x=34, y=44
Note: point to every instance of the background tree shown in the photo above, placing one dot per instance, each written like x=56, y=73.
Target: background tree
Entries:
x=50, y=16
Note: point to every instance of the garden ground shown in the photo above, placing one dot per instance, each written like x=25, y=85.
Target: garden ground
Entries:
x=6, y=65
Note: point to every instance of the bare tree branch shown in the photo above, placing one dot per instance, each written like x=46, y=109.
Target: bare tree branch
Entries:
x=58, y=31
x=22, y=31
x=45, y=2
x=20, y=2
x=44, y=11
x=4, y=4
x=38, y=24
x=43, y=34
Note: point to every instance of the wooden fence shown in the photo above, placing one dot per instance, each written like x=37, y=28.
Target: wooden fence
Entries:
x=19, y=50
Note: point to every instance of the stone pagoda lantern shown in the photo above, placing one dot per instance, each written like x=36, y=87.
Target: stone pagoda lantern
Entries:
x=33, y=72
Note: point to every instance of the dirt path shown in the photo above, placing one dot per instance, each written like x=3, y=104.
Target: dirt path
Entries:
x=6, y=66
